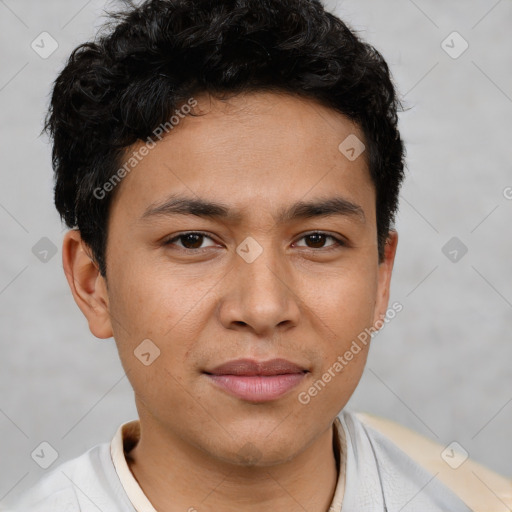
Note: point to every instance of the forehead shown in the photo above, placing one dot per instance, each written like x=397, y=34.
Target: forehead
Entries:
x=255, y=151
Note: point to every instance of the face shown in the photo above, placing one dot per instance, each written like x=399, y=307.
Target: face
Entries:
x=280, y=261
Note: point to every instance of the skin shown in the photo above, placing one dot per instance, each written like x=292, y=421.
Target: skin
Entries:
x=302, y=299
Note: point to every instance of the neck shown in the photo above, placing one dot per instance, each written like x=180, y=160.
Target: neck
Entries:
x=179, y=477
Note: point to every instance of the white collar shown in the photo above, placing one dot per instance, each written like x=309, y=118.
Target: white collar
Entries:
x=126, y=437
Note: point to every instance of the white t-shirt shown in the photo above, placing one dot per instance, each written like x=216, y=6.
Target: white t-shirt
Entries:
x=375, y=476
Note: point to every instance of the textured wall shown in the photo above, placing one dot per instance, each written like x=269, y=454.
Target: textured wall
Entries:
x=441, y=367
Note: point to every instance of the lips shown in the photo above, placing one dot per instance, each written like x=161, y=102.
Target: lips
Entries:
x=257, y=381
x=249, y=367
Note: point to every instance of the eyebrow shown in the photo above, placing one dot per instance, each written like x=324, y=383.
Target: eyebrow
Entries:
x=180, y=205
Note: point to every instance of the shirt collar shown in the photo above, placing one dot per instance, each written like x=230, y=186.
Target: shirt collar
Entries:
x=126, y=437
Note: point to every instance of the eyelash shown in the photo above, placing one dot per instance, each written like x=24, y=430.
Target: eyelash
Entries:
x=338, y=241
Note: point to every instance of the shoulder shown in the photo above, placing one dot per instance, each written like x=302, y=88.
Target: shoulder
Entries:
x=479, y=487
x=67, y=488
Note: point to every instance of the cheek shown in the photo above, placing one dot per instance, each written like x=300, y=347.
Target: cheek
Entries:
x=155, y=324
x=168, y=310
x=343, y=313
x=150, y=302
x=344, y=301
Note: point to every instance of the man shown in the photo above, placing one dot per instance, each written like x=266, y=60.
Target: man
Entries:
x=230, y=173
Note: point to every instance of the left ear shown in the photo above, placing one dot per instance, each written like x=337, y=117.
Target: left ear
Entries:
x=384, y=277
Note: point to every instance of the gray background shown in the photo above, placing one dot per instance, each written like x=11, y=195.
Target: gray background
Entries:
x=441, y=367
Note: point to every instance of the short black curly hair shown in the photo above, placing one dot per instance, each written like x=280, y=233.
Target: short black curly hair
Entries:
x=149, y=59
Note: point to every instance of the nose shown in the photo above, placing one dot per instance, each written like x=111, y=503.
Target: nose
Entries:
x=261, y=296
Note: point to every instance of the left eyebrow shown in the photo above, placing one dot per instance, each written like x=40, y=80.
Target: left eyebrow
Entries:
x=181, y=205
x=322, y=208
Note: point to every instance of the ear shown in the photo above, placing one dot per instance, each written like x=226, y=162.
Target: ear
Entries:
x=87, y=285
x=384, y=276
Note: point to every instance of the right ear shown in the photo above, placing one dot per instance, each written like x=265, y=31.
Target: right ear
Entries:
x=87, y=285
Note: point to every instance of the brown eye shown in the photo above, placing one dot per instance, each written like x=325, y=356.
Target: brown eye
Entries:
x=318, y=241
x=192, y=240
x=189, y=241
